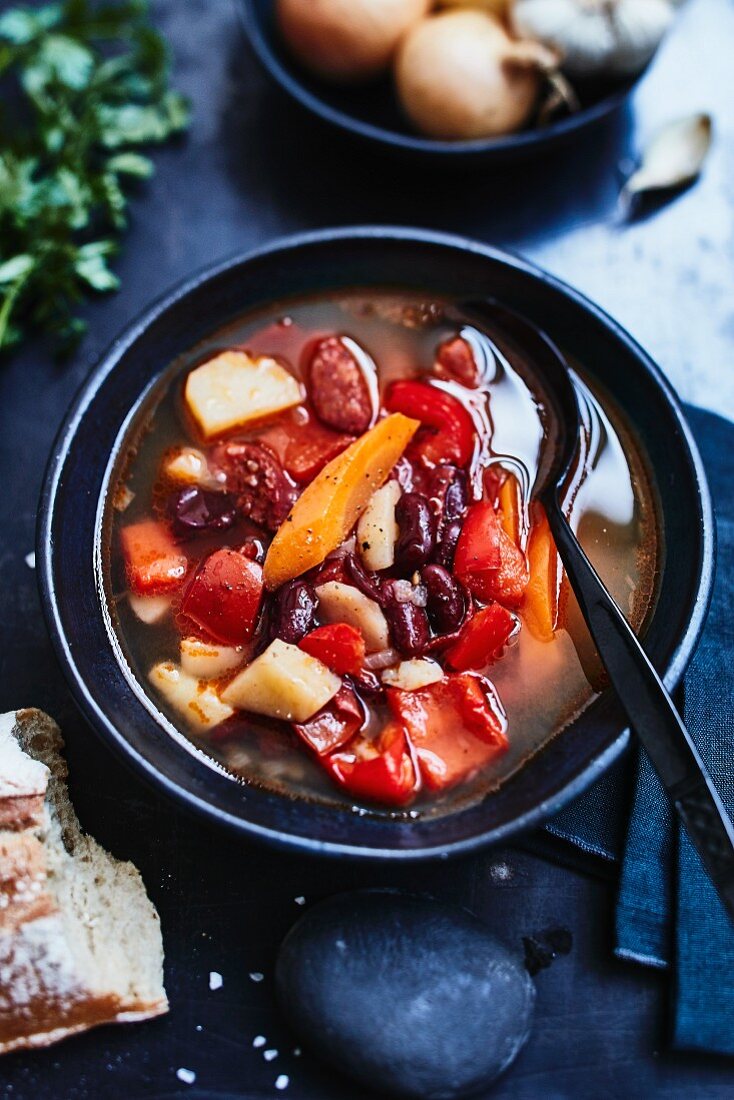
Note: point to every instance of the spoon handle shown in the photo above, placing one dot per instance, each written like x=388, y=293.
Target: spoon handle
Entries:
x=651, y=712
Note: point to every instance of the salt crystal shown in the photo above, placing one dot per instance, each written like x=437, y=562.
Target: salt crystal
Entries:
x=216, y=981
x=268, y=1055
x=256, y=976
x=282, y=1081
x=259, y=1041
x=30, y=560
x=300, y=900
x=186, y=1075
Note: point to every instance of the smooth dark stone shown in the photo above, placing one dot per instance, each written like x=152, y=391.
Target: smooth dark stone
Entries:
x=404, y=993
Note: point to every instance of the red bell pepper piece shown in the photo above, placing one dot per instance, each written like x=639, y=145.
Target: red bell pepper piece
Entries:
x=508, y=582
x=153, y=561
x=482, y=638
x=224, y=596
x=378, y=771
x=303, y=445
x=334, y=725
x=340, y=646
x=455, y=361
x=456, y=727
x=448, y=429
x=478, y=548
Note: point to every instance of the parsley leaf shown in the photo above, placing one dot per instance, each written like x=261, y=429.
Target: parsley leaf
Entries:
x=86, y=84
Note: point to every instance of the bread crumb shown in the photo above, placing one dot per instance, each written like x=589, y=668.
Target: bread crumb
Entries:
x=186, y=1075
x=216, y=981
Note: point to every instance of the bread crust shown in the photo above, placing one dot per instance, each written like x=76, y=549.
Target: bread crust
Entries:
x=50, y=987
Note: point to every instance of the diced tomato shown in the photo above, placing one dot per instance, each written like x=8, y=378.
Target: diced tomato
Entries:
x=478, y=548
x=153, y=561
x=448, y=431
x=482, y=638
x=224, y=596
x=487, y=560
x=378, y=771
x=541, y=598
x=455, y=361
x=304, y=445
x=334, y=724
x=340, y=646
x=456, y=727
x=506, y=583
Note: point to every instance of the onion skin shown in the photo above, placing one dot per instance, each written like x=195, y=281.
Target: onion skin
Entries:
x=347, y=41
x=460, y=76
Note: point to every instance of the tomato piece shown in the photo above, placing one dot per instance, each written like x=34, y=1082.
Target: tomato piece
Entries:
x=334, y=724
x=482, y=638
x=153, y=561
x=456, y=727
x=448, y=432
x=303, y=445
x=377, y=771
x=340, y=646
x=455, y=361
x=508, y=582
x=224, y=596
x=478, y=548
x=541, y=596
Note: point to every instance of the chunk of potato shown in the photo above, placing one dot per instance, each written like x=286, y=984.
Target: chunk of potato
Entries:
x=209, y=660
x=195, y=700
x=283, y=682
x=413, y=675
x=149, y=609
x=189, y=466
x=342, y=603
x=328, y=508
x=232, y=389
x=377, y=530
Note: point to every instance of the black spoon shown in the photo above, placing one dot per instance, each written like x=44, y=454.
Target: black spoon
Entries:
x=640, y=690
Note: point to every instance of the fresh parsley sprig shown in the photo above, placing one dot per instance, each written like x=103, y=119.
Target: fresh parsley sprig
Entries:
x=82, y=85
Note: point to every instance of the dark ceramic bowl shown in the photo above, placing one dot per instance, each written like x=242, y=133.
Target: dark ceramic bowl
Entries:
x=371, y=113
x=81, y=462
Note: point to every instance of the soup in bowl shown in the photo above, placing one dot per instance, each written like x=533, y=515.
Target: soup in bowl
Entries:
x=396, y=671
x=326, y=566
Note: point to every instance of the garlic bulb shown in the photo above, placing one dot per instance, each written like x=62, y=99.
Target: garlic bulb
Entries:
x=596, y=37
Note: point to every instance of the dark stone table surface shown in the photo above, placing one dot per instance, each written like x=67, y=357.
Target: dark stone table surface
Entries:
x=252, y=169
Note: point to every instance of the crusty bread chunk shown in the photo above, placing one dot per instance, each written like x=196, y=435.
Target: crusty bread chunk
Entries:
x=80, y=941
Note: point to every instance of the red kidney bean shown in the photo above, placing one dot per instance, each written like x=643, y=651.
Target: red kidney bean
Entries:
x=450, y=487
x=293, y=613
x=338, y=388
x=264, y=493
x=409, y=627
x=366, y=582
x=448, y=537
x=193, y=510
x=367, y=683
x=446, y=604
x=417, y=536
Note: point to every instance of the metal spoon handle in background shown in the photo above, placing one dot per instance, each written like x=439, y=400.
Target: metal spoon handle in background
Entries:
x=650, y=711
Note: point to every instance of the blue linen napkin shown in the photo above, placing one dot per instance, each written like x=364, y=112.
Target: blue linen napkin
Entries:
x=668, y=915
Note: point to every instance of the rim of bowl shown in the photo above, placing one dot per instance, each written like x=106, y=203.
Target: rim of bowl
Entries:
x=108, y=731
x=508, y=144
